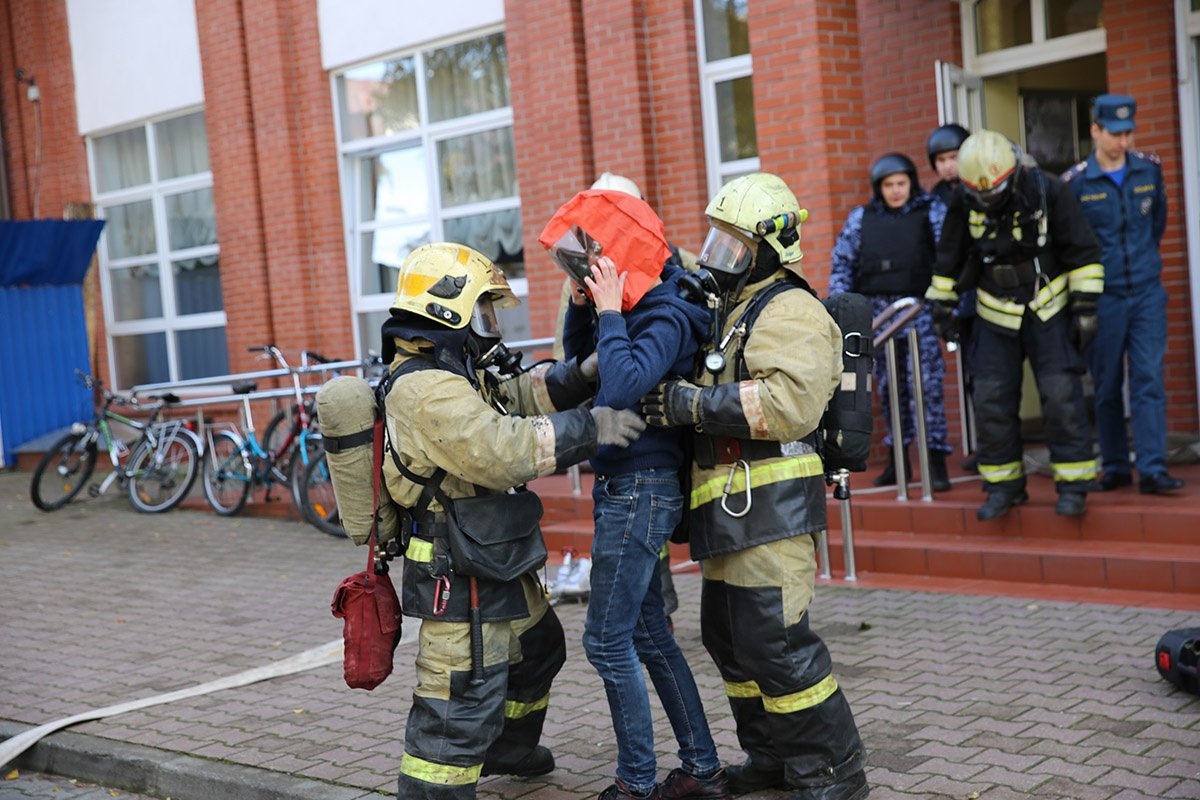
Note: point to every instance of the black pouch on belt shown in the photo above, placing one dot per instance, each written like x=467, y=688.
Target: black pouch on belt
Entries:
x=495, y=536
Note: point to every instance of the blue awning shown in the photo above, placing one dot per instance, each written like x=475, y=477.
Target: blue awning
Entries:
x=47, y=252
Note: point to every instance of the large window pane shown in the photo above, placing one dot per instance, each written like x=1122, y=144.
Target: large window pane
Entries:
x=1072, y=16
x=726, y=33
x=130, y=229
x=136, y=292
x=122, y=160
x=141, y=358
x=497, y=235
x=379, y=99
x=191, y=221
x=197, y=285
x=467, y=78
x=481, y=166
x=735, y=119
x=1002, y=23
x=202, y=352
x=384, y=250
x=182, y=145
x=394, y=185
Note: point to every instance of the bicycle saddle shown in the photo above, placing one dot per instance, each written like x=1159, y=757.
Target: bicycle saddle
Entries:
x=244, y=387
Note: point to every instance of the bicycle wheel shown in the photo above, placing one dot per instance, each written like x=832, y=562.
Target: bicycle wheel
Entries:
x=317, y=502
x=299, y=463
x=227, y=474
x=159, y=478
x=63, y=471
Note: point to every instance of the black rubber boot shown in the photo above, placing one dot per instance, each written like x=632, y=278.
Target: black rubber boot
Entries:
x=937, y=471
x=998, y=504
x=888, y=476
x=538, y=761
x=1071, y=504
x=749, y=777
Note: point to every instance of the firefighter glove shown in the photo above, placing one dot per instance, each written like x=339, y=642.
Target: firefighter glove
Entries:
x=1084, y=323
x=616, y=427
x=590, y=367
x=672, y=403
x=945, y=321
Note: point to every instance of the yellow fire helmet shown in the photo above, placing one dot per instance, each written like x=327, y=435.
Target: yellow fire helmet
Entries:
x=747, y=210
x=989, y=167
x=442, y=281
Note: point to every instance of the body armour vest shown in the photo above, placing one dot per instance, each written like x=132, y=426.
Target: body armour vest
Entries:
x=897, y=253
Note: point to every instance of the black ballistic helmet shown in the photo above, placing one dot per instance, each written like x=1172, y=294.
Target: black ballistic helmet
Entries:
x=944, y=139
x=890, y=164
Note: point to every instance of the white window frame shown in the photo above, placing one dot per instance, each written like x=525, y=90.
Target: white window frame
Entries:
x=156, y=191
x=427, y=135
x=1037, y=53
x=1187, y=40
x=712, y=73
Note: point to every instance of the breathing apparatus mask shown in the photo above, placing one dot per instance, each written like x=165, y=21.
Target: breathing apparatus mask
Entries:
x=483, y=340
x=575, y=252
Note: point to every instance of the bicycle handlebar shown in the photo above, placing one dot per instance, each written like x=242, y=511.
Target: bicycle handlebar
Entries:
x=94, y=383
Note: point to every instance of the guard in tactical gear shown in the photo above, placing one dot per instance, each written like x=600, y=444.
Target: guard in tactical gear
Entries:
x=454, y=432
x=758, y=494
x=886, y=251
x=1020, y=237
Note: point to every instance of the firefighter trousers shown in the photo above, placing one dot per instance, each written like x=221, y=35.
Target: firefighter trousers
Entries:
x=1058, y=370
x=454, y=724
x=778, y=673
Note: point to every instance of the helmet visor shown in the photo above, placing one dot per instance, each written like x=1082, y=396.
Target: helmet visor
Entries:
x=574, y=253
x=724, y=252
x=992, y=197
x=483, y=319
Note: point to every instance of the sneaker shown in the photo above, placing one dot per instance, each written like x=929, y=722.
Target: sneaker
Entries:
x=618, y=792
x=679, y=785
x=578, y=580
x=537, y=761
x=749, y=777
x=564, y=570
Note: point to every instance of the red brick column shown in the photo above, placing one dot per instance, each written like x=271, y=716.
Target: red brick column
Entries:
x=1141, y=63
x=898, y=44
x=270, y=129
x=34, y=38
x=551, y=131
x=808, y=100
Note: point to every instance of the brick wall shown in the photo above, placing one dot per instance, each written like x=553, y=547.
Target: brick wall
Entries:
x=1141, y=62
x=275, y=183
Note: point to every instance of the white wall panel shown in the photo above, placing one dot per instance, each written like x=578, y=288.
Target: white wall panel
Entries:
x=359, y=30
x=133, y=59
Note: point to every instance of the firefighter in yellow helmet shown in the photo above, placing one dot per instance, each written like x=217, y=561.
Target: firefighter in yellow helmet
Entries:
x=489, y=649
x=1020, y=237
x=758, y=493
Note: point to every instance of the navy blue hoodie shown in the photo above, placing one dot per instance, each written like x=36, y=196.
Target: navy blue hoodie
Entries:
x=656, y=339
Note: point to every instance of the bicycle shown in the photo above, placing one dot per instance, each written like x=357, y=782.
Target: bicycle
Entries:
x=160, y=470
x=237, y=463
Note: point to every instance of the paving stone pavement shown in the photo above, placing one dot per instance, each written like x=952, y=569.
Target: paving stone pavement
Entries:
x=956, y=696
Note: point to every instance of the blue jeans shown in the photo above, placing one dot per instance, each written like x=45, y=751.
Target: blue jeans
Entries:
x=626, y=623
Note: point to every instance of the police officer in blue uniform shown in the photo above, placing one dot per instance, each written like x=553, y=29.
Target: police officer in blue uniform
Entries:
x=1122, y=194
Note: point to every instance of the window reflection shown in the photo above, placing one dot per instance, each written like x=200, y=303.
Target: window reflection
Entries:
x=182, y=145
x=735, y=119
x=379, y=99
x=129, y=230
x=141, y=358
x=191, y=220
x=122, y=160
x=467, y=78
x=1072, y=16
x=394, y=185
x=477, y=167
x=726, y=33
x=197, y=285
x=1003, y=23
x=201, y=352
x=136, y=292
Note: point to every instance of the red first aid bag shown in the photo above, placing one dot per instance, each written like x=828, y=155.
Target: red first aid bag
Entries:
x=369, y=608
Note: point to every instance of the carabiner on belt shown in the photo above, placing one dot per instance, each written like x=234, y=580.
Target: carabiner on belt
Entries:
x=745, y=465
x=441, y=595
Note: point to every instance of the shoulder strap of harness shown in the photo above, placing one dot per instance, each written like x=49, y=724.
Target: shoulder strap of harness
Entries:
x=757, y=304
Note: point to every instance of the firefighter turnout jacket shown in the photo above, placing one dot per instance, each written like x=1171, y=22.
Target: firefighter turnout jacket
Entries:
x=1025, y=257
